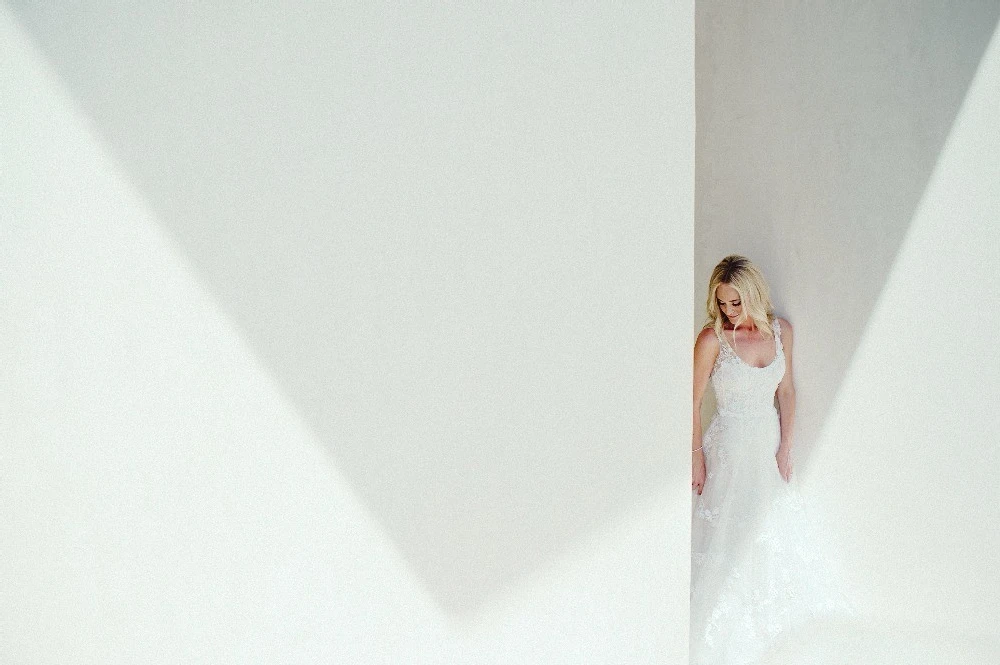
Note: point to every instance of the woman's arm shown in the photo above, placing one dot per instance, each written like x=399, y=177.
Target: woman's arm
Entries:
x=706, y=349
x=786, y=390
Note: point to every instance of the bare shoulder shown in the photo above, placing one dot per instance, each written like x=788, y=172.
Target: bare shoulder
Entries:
x=706, y=346
x=707, y=340
x=786, y=330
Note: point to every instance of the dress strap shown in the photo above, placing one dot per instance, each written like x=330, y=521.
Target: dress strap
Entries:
x=777, y=336
x=722, y=340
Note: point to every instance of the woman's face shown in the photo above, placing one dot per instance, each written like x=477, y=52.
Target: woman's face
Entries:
x=729, y=302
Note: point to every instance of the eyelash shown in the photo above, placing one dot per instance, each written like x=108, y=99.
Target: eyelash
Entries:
x=735, y=304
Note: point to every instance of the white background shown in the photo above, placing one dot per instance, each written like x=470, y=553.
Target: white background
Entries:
x=355, y=334
x=363, y=334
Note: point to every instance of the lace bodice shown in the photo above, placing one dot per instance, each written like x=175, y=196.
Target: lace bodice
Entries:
x=741, y=389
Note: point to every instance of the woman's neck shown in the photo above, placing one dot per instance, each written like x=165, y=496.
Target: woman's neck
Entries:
x=745, y=327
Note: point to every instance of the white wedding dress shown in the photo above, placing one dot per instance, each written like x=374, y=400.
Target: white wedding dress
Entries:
x=759, y=567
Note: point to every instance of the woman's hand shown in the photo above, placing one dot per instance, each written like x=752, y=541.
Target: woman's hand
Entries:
x=784, y=459
x=697, y=471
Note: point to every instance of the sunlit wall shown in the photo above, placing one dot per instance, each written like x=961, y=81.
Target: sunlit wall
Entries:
x=354, y=335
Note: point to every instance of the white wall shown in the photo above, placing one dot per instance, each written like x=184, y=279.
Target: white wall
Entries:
x=850, y=150
x=345, y=335
x=818, y=126
x=909, y=448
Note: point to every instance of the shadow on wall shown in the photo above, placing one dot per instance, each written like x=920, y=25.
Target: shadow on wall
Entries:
x=412, y=215
x=818, y=127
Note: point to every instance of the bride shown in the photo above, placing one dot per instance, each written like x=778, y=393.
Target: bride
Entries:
x=757, y=567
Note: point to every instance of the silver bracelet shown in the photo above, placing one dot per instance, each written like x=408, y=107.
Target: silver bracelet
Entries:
x=698, y=448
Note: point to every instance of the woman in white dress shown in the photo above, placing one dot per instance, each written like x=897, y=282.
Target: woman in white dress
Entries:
x=758, y=568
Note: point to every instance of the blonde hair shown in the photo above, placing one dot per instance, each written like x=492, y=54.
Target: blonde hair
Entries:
x=741, y=274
